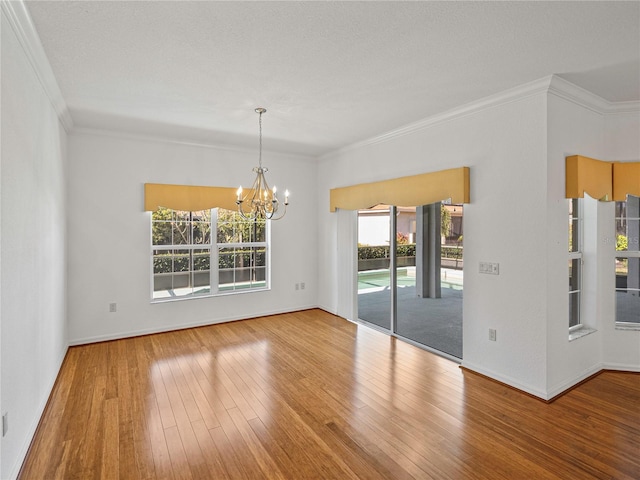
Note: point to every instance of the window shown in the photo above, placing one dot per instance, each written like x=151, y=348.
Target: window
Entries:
x=575, y=263
x=241, y=252
x=187, y=263
x=628, y=262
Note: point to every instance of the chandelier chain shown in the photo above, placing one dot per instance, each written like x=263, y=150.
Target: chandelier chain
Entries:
x=260, y=151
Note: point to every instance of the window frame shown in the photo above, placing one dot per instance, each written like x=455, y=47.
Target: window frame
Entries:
x=214, y=287
x=624, y=254
x=576, y=234
x=241, y=245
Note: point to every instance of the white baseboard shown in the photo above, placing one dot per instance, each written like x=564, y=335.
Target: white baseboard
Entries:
x=558, y=389
x=24, y=449
x=180, y=326
x=512, y=382
x=621, y=367
x=564, y=386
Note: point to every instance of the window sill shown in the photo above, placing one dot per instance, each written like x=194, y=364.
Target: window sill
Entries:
x=628, y=326
x=581, y=332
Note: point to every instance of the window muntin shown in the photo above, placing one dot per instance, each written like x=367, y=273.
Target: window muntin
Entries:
x=186, y=262
x=575, y=263
x=627, y=262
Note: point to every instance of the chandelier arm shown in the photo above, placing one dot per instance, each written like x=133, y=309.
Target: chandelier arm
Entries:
x=262, y=202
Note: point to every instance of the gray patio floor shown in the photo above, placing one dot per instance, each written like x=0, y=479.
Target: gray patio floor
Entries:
x=434, y=322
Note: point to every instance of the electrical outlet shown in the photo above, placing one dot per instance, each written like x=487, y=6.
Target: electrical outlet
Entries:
x=5, y=423
x=302, y=286
x=297, y=286
x=492, y=334
x=113, y=307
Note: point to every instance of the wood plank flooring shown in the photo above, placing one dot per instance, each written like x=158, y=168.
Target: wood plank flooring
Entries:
x=309, y=395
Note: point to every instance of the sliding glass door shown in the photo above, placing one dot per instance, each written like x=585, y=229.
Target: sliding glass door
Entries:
x=374, y=260
x=415, y=288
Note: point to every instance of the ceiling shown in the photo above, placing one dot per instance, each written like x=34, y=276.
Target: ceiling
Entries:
x=329, y=73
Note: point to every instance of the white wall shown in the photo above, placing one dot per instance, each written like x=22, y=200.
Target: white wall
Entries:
x=33, y=258
x=578, y=128
x=109, y=234
x=621, y=348
x=515, y=145
x=505, y=148
x=573, y=130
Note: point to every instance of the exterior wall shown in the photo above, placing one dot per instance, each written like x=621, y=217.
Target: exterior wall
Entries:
x=110, y=235
x=33, y=255
x=505, y=147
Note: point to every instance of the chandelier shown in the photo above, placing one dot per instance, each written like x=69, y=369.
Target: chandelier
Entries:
x=261, y=202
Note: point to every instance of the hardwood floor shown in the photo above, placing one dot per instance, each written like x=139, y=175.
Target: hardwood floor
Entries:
x=309, y=395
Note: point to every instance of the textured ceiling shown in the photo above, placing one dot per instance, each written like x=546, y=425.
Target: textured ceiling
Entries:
x=329, y=73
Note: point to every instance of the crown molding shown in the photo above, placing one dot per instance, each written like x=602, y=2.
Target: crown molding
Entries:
x=552, y=84
x=564, y=89
x=151, y=138
x=511, y=95
x=507, y=96
x=568, y=91
x=18, y=17
x=623, y=107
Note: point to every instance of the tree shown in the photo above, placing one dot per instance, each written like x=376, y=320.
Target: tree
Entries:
x=402, y=238
x=622, y=243
x=445, y=221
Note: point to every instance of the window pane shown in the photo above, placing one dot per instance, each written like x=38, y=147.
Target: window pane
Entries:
x=181, y=232
x=161, y=226
x=258, y=232
x=161, y=233
x=162, y=261
x=201, y=233
x=574, y=226
x=628, y=224
x=628, y=290
x=574, y=239
x=574, y=274
x=574, y=309
x=633, y=234
x=621, y=226
x=227, y=226
x=622, y=270
x=259, y=255
x=201, y=259
x=181, y=261
x=575, y=266
x=628, y=306
x=201, y=270
x=241, y=257
x=628, y=272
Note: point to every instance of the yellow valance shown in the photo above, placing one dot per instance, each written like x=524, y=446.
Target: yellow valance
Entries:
x=414, y=190
x=626, y=180
x=187, y=197
x=588, y=175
